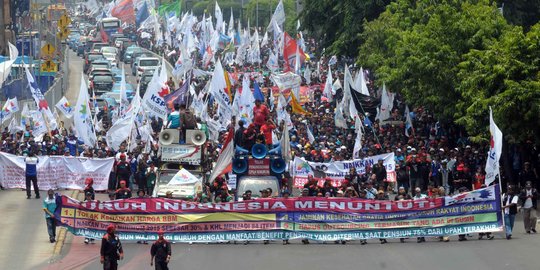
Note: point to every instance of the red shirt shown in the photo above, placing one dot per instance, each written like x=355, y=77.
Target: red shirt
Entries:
x=260, y=114
x=266, y=129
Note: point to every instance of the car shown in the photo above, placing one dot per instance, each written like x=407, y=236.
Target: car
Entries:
x=101, y=83
x=129, y=52
x=146, y=77
x=95, y=71
x=129, y=89
x=136, y=55
x=90, y=58
x=80, y=48
x=98, y=45
x=105, y=64
x=145, y=64
x=117, y=74
x=111, y=59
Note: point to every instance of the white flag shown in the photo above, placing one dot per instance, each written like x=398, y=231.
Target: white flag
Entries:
x=339, y=120
x=217, y=89
x=360, y=84
x=11, y=106
x=153, y=99
x=495, y=149
x=219, y=19
x=224, y=159
x=122, y=128
x=387, y=103
x=65, y=107
x=272, y=63
x=358, y=140
x=278, y=17
x=123, y=95
x=265, y=39
x=5, y=67
x=285, y=145
x=39, y=128
x=82, y=116
x=310, y=136
x=307, y=75
x=41, y=102
x=327, y=92
x=408, y=121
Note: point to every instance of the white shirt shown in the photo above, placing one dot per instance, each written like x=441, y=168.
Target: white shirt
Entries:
x=514, y=200
x=528, y=202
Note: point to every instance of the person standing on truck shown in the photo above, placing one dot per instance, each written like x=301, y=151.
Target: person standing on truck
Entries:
x=173, y=120
x=150, y=176
x=122, y=169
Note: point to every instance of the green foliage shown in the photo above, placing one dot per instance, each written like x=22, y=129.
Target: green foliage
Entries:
x=337, y=24
x=200, y=7
x=457, y=58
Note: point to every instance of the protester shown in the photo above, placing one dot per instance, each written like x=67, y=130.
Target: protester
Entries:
x=510, y=201
x=111, y=249
x=88, y=196
x=123, y=192
x=49, y=207
x=31, y=174
x=160, y=252
x=529, y=202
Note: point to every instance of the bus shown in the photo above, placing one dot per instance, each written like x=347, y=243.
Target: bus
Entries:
x=109, y=26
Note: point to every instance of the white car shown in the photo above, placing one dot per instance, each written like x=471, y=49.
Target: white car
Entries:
x=146, y=64
x=111, y=54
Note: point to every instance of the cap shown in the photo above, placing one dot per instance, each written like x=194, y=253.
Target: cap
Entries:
x=380, y=192
x=413, y=149
x=340, y=192
x=88, y=193
x=111, y=228
x=305, y=189
x=122, y=155
x=286, y=192
x=161, y=232
x=168, y=193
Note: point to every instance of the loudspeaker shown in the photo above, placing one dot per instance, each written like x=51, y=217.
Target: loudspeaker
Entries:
x=259, y=151
x=239, y=165
x=276, y=150
x=169, y=136
x=240, y=151
x=278, y=165
x=196, y=137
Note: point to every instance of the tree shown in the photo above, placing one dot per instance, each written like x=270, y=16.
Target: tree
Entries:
x=208, y=6
x=506, y=77
x=338, y=24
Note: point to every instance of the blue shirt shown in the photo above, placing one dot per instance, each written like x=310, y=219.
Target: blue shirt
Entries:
x=49, y=204
x=31, y=165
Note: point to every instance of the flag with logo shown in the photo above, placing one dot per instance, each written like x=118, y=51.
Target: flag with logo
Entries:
x=11, y=106
x=41, y=102
x=82, y=116
x=124, y=11
x=495, y=149
x=153, y=99
x=296, y=107
x=65, y=107
x=290, y=52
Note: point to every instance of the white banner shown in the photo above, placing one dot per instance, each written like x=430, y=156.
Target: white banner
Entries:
x=183, y=177
x=336, y=171
x=287, y=80
x=55, y=172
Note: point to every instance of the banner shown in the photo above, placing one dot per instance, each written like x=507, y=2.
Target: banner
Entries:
x=321, y=219
x=124, y=11
x=55, y=172
x=337, y=170
x=287, y=80
x=183, y=153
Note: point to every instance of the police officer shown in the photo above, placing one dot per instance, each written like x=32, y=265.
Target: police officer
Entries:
x=111, y=249
x=161, y=251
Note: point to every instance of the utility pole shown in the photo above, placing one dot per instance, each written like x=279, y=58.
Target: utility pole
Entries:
x=5, y=7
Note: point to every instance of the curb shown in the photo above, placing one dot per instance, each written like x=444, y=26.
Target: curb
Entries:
x=62, y=234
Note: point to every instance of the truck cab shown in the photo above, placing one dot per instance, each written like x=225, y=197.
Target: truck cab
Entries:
x=182, y=170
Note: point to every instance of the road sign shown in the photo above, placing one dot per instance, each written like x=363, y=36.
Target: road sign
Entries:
x=49, y=66
x=63, y=33
x=47, y=50
x=64, y=21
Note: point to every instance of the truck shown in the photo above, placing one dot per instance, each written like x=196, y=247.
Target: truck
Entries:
x=257, y=169
x=181, y=169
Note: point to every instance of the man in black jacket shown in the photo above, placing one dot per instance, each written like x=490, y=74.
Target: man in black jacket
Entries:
x=239, y=134
x=161, y=252
x=111, y=249
x=528, y=198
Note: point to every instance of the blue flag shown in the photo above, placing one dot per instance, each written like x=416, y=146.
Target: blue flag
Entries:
x=257, y=94
x=180, y=95
x=142, y=14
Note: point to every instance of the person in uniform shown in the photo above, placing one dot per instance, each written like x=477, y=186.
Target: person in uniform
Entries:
x=160, y=252
x=111, y=249
x=123, y=192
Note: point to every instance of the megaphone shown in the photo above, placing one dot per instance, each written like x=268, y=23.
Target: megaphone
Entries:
x=168, y=136
x=196, y=137
x=278, y=165
x=240, y=151
x=259, y=151
x=276, y=150
x=239, y=165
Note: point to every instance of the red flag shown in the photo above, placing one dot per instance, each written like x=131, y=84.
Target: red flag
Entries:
x=289, y=52
x=224, y=161
x=124, y=11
